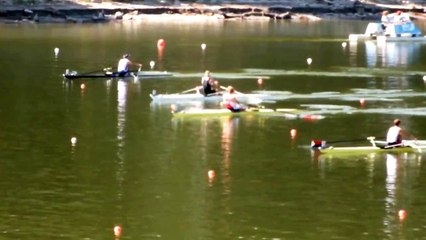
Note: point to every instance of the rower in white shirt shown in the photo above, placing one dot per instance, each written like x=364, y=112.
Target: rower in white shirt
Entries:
x=124, y=65
x=396, y=134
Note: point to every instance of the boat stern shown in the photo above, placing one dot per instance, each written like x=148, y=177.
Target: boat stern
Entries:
x=403, y=30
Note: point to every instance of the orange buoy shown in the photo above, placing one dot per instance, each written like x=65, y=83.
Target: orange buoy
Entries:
x=362, y=101
x=402, y=214
x=260, y=81
x=82, y=86
x=161, y=43
x=117, y=231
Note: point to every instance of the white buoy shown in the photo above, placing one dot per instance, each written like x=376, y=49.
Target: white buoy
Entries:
x=344, y=44
x=203, y=46
x=73, y=140
x=309, y=61
x=152, y=64
x=424, y=78
x=293, y=133
x=56, y=51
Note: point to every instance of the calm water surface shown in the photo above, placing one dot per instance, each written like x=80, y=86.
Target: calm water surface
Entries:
x=136, y=166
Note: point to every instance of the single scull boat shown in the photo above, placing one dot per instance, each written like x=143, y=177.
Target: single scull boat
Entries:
x=280, y=112
x=195, y=94
x=376, y=146
x=108, y=74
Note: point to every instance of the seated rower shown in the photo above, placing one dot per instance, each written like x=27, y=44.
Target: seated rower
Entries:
x=401, y=18
x=230, y=101
x=386, y=19
x=124, y=64
x=208, y=84
x=396, y=133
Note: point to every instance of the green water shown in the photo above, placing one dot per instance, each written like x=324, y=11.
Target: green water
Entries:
x=136, y=166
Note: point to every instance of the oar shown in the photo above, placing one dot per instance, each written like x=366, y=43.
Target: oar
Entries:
x=394, y=145
x=347, y=141
x=214, y=94
x=97, y=71
x=322, y=143
x=190, y=90
x=412, y=144
x=415, y=146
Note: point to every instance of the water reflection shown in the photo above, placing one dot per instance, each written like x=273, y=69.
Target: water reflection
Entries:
x=160, y=56
x=353, y=53
x=121, y=123
x=208, y=129
x=391, y=187
x=229, y=125
x=401, y=171
x=386, y=54
x=400, y=168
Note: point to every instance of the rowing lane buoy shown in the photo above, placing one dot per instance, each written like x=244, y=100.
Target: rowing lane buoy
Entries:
x=211, y=174
x=117, y=231
x=293, y=133
x=73, y=141
x=161, y=43
x=402, y=214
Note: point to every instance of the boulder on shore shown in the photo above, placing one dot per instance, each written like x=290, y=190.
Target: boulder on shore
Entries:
x=98, y=11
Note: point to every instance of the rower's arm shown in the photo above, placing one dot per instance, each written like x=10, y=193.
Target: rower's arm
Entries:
x=408, y=135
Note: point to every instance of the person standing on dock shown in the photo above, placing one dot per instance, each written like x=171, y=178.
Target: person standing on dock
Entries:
x=124, y=65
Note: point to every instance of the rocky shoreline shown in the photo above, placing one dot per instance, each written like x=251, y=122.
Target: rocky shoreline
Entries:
x=84, y=12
